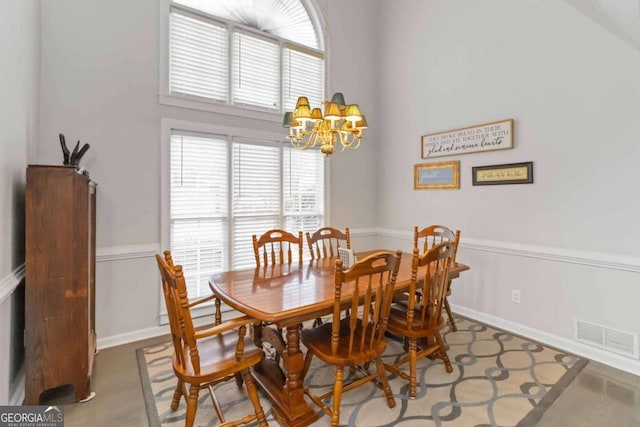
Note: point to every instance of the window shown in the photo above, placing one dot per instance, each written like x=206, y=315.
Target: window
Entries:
x=246, y=54
x=225, y=188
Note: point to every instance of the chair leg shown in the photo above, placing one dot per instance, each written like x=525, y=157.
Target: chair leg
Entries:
x=443, y=353
x=413, y=360
x=337, y=396
x=382, y=376
x=307, y=364
x=238, y=379
x=192, y=405
x=253, y=396
x=452, y=322
x=177, y=395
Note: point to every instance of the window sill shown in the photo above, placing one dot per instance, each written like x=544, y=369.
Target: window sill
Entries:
x=195, y=104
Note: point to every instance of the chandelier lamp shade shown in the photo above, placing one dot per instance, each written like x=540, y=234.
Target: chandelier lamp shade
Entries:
x=339, y=125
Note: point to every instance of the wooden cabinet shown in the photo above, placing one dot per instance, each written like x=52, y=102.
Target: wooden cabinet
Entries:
x=60, y=280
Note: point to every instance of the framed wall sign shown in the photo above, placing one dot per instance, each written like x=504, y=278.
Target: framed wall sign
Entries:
x=486, y=137
x=512, y=173
x=443, y=175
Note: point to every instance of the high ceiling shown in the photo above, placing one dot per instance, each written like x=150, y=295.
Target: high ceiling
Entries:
x=620, y=17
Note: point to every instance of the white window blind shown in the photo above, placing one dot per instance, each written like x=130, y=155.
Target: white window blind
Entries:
x=303, y=73
x=213, y=54
x=224, y=189
x=303, y=189
x=199, y=208
x=256, y=71
x=256, y=197
x=198, y=57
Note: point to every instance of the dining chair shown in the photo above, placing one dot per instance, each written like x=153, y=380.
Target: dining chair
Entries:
x=355, y=341
x=168, y=257
x=207, y=357
x=275, y=246
x=431, y=236
x=325, y=242
x=421, y=321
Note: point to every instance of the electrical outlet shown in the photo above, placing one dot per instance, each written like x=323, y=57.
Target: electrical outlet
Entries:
x=515, y=296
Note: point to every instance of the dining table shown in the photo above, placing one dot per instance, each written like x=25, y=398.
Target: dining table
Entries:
x=283, y=297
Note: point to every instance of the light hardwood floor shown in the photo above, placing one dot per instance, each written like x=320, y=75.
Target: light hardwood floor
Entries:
x=599, y=396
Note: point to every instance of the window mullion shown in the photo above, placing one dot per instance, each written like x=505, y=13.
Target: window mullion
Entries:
x=231, y=217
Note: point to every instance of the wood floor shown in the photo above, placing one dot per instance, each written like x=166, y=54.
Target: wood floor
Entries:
x=599, y=396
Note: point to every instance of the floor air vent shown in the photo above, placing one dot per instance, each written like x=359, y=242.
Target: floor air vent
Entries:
x=613, y=340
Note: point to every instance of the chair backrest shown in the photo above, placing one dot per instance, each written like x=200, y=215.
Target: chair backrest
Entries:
x=433, y=267
x=434, y=234
x=371, y=282
x=181, y=323
x=275, y=246
x=325, y=242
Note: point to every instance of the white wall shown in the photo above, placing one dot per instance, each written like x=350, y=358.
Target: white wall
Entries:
x=100, y=84
x=19, y=56
x=573, y=90
x=414, y=67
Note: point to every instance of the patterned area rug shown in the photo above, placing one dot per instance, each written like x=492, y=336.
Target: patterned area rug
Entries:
x=498, y=379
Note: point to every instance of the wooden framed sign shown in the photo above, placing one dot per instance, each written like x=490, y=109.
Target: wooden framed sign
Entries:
x=443, y=175
x=486, y=137
x=512, y=173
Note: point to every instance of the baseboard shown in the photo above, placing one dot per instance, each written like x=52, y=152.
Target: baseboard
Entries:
x=619, y=362
x=17, y=395
x=129, y=337
x=10, y=282
x=143, y=334
x=571, y=256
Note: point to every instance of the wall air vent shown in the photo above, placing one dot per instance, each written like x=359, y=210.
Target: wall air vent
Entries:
x=616, y=341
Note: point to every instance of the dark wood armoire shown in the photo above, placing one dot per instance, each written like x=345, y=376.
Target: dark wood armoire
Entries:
x=60, y=281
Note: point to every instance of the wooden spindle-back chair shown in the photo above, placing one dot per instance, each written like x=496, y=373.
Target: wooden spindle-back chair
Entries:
x=354, y=341
x=430, y=236
x=274, y=247
x=325, y=241
x=422, y=321
x=207, y=357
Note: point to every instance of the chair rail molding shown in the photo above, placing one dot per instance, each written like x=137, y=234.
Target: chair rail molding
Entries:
x=10, y=282
x=572, y=256
x=116, y=253
x=363, y=232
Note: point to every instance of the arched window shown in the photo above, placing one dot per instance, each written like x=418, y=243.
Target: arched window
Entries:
x=256, y=54
x=224, y=184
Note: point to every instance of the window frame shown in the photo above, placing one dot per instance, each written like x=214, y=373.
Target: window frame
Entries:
x=170, y=125
x=165, y=97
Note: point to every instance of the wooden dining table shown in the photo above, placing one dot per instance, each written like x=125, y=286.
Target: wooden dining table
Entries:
x=285, y=296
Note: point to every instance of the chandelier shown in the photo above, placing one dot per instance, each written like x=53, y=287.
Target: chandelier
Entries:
x=341, y=124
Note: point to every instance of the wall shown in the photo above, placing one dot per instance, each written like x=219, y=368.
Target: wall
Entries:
x=414, y=67
x=100, y=85
x=19, y=65
x=572, y=88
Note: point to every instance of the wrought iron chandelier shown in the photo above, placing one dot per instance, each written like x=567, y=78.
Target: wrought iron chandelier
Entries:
x=341, y=124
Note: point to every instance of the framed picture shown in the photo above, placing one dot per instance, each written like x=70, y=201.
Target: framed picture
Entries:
x=473, y=139
x=512, y=173
x=443, y=175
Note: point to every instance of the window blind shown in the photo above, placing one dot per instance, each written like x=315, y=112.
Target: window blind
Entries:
x=255, y=198
x=198, y=57
x=303, y=189
x=256, y=71
x=224, y=189
x=198, y=208
x=303, y=74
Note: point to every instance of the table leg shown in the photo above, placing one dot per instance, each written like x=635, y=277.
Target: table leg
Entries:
x=286, y=394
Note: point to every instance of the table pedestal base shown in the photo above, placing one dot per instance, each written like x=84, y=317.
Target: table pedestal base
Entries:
x=272, y=381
